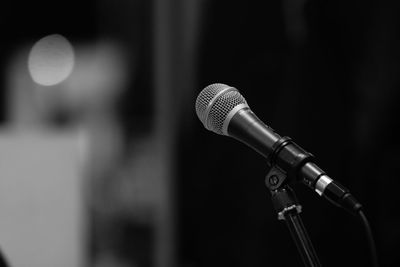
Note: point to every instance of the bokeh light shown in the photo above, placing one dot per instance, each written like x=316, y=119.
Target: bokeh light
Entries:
x=51, y=60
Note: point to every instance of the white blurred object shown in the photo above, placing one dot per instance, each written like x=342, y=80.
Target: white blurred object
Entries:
x=44, y=164
x=42, y=207
x=51, y=60
x=89, y=93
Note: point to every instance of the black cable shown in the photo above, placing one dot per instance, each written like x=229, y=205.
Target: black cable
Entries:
x=371, y=242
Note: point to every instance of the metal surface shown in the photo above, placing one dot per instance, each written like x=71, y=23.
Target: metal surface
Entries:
x=214, y=104
x=322, y=183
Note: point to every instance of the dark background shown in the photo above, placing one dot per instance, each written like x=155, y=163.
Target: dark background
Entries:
x=322, y=72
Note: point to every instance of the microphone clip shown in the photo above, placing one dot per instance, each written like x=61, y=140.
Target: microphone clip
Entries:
x=275, y=178
x=289, y=157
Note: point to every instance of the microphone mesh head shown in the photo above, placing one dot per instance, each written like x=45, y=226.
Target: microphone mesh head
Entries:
x=214, y=103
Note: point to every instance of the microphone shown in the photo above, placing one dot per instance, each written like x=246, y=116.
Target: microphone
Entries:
x=223, y=110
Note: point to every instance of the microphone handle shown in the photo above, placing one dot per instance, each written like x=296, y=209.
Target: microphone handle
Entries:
x=246, y=127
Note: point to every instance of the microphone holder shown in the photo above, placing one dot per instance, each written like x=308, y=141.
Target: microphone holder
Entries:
x=288, y=209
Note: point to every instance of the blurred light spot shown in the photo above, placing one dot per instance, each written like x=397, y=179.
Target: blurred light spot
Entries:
x=51, y=60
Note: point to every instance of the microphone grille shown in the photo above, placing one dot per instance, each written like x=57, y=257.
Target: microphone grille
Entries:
x=214, y=103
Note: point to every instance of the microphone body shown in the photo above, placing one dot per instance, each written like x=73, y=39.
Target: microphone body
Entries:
x=246, y=127
x=223, y=110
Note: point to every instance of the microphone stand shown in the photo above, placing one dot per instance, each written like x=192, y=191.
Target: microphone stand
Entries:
x=288, y=209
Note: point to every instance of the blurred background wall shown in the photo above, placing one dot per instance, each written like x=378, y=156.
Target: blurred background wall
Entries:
x=156, y=188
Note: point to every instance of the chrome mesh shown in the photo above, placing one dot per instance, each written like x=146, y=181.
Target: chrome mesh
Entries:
x=219, y=108
x=205, y=97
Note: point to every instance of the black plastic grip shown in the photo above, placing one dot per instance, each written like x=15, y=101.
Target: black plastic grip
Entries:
x=290, y=157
